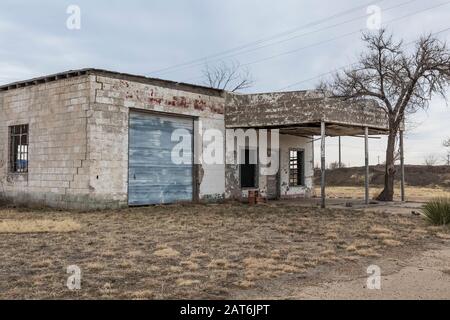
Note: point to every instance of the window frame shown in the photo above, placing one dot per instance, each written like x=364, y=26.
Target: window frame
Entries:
x=15, y=155
x=302, y=182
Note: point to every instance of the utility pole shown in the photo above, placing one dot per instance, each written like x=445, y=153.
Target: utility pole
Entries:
x=366, y=147
x=340, y=154
x=322, y=164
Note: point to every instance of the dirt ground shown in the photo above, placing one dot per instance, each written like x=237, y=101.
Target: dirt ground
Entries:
x=424, y=276
x=216, y=251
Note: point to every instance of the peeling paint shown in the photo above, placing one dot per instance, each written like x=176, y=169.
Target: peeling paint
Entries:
x=297, y=108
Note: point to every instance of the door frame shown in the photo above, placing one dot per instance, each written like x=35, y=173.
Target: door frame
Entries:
x=277, y=177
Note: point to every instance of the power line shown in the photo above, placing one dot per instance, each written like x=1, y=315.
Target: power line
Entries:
x=345, y=35
x=266, y=39
x=332, y=39
x=346, y=66
x=288, y=39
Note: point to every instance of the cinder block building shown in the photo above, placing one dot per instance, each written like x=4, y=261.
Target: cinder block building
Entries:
x=92, y=138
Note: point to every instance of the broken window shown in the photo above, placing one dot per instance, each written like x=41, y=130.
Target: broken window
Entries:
x=18, y=137
x=248, y=169
x=296, y=167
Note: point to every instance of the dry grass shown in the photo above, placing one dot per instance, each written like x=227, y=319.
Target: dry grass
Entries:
x=192, y=251
x=392, y=243
x=166, y=253
x=38, y=226
x=412, y=193
x=141, y=295
x=186, y=282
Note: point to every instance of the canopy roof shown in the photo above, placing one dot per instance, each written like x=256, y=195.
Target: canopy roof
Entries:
x=301, y=113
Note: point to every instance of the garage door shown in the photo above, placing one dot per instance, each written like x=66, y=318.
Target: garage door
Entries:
x=153, y=178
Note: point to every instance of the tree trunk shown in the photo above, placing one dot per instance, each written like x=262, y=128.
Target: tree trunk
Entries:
x=388, y=193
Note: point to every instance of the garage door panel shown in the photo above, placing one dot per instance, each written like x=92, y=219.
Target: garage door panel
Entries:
x=153, y=177
x=173, y=174
x=156, y=195
x=159, y=138
x=156, y=156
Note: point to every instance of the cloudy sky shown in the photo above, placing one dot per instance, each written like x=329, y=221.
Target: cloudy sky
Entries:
x=286, y=44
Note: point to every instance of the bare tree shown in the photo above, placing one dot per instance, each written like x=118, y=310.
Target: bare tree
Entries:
x=335, y=165
x=231, y=77
x=401, y=82
x=446, y=159
x=431, y=160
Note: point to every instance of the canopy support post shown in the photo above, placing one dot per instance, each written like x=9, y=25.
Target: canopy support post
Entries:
x=322, y=163
x=366, y=145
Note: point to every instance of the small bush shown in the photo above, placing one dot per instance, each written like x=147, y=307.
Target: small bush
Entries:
x=437, y=211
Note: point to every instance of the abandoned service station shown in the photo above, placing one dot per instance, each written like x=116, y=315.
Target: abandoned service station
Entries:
x=93, y=139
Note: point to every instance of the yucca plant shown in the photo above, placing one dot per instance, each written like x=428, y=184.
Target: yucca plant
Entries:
x=437, y=211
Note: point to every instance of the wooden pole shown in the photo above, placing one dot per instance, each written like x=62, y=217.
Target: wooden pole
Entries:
x=322, y=163
x=402, y=167
x=366, y=135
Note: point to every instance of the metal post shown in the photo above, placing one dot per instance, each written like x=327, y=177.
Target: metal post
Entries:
x=322, y=163
x=366, y=136
x=402, y=167
x=340, y=154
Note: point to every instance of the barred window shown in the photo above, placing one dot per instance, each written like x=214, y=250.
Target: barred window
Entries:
x=296, y=167
x=18, y=137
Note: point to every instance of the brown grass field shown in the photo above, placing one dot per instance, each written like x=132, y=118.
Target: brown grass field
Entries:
x=193, y=251
x=420, y=194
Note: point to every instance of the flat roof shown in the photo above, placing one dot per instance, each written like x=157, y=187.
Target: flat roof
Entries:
x=119, y=75
x=303, y=112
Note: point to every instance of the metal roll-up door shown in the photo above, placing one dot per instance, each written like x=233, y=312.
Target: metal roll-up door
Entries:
x=153, y=177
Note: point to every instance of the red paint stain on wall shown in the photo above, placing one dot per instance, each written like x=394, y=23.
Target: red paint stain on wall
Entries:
x=199, y=105
x=154, y=100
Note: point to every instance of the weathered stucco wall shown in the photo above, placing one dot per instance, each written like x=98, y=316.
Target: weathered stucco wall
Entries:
x=292, y=108
x=287, y=142
x=56, y=113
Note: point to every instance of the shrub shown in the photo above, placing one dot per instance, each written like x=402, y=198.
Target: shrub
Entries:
x=437, y=211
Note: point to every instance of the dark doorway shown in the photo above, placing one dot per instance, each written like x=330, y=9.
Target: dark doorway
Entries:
x=248, y=169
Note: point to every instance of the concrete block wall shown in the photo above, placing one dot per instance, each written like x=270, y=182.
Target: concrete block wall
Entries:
x=56, y=113
x=78, y=138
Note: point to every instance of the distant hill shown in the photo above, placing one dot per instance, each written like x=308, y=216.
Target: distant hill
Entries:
x=415, y=175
